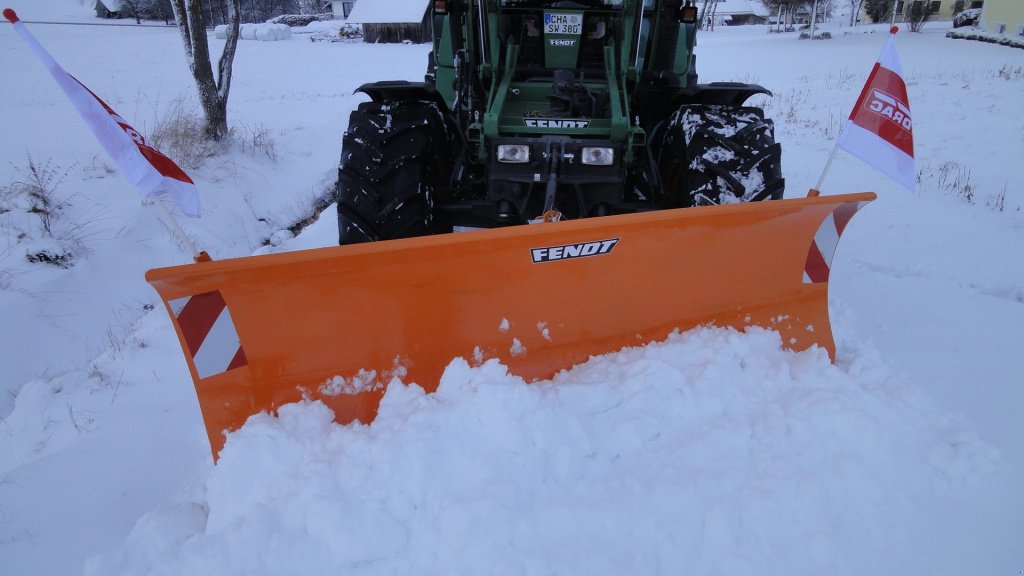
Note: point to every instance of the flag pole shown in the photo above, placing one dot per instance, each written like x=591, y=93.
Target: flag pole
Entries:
x=177, y=229
x=816, y=191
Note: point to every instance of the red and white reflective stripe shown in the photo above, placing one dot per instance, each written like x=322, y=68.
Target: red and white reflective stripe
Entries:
x=209, y=333
x=823, y=247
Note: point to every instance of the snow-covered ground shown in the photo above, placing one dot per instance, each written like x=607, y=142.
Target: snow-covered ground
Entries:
x=712, y=453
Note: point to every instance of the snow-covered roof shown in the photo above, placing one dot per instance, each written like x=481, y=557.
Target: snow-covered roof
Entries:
x=729, y=7
x=388, y=11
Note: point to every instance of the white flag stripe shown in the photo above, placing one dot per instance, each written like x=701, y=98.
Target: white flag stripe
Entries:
x=870, y=148
x=219, y=348
x=889, y=58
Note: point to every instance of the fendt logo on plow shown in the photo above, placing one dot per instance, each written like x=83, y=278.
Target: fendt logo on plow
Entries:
x=552, y=253
x=891, y=108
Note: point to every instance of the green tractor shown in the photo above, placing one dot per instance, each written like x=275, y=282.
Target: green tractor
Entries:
x=536, y=110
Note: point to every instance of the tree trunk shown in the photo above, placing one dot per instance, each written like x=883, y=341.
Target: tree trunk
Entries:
x=814, y=17
x=703, y=16
x=856, y=13
x=213, y=92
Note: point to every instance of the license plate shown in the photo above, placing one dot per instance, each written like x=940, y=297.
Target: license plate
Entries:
x=563, y=23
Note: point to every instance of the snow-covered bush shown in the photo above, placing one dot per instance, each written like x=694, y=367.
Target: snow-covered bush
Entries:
x=345, y=33
x=968, y=17
x=32, y=215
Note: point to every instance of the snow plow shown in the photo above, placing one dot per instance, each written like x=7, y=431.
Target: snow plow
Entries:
x=336, y=324
x=619, y=200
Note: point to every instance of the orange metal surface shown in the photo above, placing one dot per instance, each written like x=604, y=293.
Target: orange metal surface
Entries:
x=306, y=317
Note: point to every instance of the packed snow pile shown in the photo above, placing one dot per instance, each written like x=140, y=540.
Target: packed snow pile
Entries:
x=712, y=453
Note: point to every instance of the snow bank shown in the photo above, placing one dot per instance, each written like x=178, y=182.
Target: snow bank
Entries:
x=265, y=32
x=711, y=453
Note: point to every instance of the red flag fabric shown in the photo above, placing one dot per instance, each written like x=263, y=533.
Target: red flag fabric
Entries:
x=144, y=166
x=879, y=130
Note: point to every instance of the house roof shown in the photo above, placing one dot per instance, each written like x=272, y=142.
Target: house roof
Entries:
x=737, y=7
x=110, y=5
x=388, y=11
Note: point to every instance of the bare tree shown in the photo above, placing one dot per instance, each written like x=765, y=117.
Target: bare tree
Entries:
x=260, y=10
x=133, y=8
x=312, y=7
x=918, y=15
x=158, y=10
x=704, y=14
x=787, y=7
x=878, y=10
x=213, y=92
x=854, y=11
x=824, y=11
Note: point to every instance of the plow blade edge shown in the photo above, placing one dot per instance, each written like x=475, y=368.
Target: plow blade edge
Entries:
x=336, y=324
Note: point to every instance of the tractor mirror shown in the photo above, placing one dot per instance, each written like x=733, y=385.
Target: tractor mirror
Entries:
x=688, y=14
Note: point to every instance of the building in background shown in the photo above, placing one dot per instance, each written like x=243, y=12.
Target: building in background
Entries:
x=935, y=9
x=390, y=21
x=1003, y=17
x=342, y=8
x=736, y=13
x=108, y=9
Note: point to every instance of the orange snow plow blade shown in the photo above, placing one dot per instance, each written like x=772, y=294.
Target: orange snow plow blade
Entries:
x=336, y=324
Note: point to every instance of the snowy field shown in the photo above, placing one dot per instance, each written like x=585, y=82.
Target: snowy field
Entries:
x=711, y=453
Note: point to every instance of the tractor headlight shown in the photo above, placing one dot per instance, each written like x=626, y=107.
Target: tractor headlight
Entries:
x=598, y=156
x=513, y=153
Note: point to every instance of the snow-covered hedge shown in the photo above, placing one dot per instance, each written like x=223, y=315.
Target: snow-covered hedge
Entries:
x=265, y=32
x=297, y=20
x=972, y=34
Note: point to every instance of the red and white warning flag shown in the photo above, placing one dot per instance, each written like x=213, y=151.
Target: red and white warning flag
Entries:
x=879, y=130
x=144, y=166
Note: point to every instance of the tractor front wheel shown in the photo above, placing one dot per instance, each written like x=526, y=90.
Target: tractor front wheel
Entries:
x=719, y=154
x=394, y=159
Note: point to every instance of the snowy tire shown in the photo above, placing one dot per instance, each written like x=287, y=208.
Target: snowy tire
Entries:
x=719, y=155
x=394, y=158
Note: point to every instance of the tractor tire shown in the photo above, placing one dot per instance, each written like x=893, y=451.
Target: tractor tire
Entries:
x=719, y=154
x=395, y=156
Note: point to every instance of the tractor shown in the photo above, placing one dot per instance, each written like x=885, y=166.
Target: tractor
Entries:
x=533, y=110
